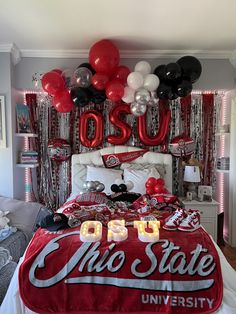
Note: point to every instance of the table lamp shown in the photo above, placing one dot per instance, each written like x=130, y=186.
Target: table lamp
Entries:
x=192, y=176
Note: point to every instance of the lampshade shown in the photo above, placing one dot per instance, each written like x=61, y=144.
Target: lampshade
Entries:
x=192, y=174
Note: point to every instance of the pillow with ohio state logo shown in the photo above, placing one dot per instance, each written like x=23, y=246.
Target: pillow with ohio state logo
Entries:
x=161, y=198
x=84, y=199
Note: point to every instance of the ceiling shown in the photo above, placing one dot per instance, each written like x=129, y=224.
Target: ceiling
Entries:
x=202, y=26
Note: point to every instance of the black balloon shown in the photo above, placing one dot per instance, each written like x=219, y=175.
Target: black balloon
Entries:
x=184, y=88
x=97, y=96
x=115, y=188
x=173, y=71
x=160, y=71
x=80, y=96
x=191, y=68
x=122, y=187
x=88, y=66
x=173, y=95
x=164, y=91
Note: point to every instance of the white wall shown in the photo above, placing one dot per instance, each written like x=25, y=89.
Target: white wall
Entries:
x=6, y=154
x=216, y=74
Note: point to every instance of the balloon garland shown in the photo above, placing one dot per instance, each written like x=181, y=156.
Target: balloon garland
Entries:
x=105, y=77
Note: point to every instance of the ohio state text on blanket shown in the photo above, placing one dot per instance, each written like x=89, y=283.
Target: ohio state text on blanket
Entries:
x=176, y=274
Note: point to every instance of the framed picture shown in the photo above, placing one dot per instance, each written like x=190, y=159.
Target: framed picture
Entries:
x=23, y=119
x=3, y=142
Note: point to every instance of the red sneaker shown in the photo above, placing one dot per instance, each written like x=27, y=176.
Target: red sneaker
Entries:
x=174, y=221
x=191, y=222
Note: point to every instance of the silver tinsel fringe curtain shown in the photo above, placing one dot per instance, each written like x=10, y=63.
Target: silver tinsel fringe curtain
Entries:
x=54, y=178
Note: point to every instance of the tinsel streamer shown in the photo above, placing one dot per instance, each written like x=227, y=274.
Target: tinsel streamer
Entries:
x=152, y=123
x=163, y=107
x=208, y=134
x=45, y=179
x=196, y=126
x=63, y=168
x=108, y=126
x=218, y=103
x=185, y=103
x=31, y=100
x=175, y=129
x=75, y=130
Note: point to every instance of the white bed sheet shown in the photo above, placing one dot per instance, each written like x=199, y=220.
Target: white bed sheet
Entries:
x=12, y=303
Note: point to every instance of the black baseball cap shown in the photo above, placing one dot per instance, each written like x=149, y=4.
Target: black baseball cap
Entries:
x=54, y=222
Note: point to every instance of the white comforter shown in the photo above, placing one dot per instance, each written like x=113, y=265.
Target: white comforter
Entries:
x=12, y=304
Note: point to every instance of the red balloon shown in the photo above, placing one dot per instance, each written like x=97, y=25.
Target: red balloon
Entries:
x=161, y=182
x=151, y=182
x=150, y=191
x=98, y=126
x=125, y=130
x=62, y=101
x=52, y=82
x=160, y=135
x=165, y=191
x=114, y=90
x=104, y=56
x=121, y=73
x=159, y=189
x=57, y=70
x=99, y=80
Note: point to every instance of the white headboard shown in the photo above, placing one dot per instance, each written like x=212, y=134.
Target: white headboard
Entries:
x=94, y=158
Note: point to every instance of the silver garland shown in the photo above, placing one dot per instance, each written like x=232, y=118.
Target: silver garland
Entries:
x=45, y=183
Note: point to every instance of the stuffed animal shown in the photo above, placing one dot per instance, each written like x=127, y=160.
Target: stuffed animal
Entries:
x=4, y=220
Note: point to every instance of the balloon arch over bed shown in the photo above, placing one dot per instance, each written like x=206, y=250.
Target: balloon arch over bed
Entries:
x=102, y=103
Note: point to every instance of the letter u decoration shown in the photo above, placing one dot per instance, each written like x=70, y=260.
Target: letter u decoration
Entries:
x=160, y=135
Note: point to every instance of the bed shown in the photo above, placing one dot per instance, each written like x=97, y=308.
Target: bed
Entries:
x=106, y=295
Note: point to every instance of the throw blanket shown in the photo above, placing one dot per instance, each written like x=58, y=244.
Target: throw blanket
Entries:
x=6, y=232
x=180, y=273
x=5, y=257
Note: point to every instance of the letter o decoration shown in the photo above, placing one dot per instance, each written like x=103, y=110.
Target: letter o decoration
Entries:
x=98, y=128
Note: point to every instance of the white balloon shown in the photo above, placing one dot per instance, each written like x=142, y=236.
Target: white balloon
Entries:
x=129, y=185
x=135, y=80
x=119, y=181
x=143, y=67
x=128, y=95
x=151, y=82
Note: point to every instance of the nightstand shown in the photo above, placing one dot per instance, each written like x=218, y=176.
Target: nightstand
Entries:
x=209, y=213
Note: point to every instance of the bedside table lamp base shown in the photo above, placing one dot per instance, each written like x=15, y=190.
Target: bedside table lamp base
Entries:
x=191, y=191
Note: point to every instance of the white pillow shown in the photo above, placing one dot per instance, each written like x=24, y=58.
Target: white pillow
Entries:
x=105, y=176
x=159, y=167
x=139, y=178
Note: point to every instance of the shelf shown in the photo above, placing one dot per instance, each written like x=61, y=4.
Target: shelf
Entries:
x=224, y=171
x=27, y=165
x=26, y=134
x=222, y=133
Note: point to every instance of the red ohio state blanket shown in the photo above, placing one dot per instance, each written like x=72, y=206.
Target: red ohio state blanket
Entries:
x=180, y=273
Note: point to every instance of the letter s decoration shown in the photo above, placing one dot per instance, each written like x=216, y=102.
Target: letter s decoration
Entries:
x=164, y=119
x=124, y=128
x=98, y=128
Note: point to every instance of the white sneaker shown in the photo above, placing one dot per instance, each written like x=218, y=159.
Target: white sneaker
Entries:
x=174, y=221
x=191, y=222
